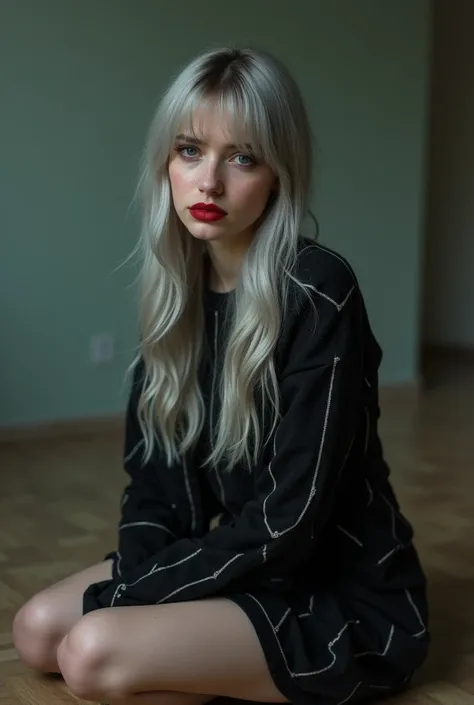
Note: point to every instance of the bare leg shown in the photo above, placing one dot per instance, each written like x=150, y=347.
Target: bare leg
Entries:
x=209, y=647
x=41, y=624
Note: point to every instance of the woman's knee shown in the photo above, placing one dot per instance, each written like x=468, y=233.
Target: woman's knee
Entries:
x=36, y=633
x=87, y=658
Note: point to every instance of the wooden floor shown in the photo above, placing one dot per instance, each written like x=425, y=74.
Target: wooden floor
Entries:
x=58, y=509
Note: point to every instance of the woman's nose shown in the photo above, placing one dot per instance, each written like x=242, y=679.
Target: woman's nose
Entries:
x=210, y=179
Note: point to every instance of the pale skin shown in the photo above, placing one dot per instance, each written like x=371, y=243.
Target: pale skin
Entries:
x=211, y=169
x=142, y=655
x=178, y=653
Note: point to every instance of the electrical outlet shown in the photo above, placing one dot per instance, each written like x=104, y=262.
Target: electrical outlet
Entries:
x=101, y=348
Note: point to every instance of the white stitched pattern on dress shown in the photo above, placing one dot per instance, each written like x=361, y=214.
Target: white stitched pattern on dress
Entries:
x=387, y=555
x=116, y=594
x=371, y=493
x=330, y=645
x=273, y=534
x=309, y=613
x=330, y=649
x=276, y=534
x=379, y=653
x=394, y=533
x=417, y=612
x=317, y=246
x=349, y=535
x=351, y=694
x=339, y=306
x=133, y=451
x=190, y=496
x=214, y=576
x=117, y=565
x=282, y=619
x=271, y=625
x=394, y=515
x=156, y=569
x=328, y=298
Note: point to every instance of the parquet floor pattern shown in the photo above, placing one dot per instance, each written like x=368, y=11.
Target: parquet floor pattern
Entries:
x=59, y=507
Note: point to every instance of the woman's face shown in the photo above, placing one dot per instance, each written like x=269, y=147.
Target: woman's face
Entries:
x=219, y=192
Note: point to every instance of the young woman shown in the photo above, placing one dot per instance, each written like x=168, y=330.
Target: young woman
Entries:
x=262, y=554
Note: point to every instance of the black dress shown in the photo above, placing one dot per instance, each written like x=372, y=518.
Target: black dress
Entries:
x=311, y=543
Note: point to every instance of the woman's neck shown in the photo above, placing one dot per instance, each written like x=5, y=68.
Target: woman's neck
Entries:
x=225, y=261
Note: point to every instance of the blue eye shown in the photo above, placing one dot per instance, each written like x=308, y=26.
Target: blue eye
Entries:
x=249, y=162
x=185, y=151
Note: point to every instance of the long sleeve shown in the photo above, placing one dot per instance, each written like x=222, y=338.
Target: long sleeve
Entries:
x=148, y=523
x=321, y=389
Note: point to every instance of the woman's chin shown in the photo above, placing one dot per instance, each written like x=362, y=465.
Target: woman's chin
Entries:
x=206, y=231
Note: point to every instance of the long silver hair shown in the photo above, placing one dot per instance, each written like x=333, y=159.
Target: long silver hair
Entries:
x=267, y=111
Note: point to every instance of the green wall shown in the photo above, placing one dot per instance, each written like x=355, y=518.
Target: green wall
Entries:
x=79, y=82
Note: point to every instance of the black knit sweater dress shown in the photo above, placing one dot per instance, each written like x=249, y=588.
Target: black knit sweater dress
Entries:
x=311, y=543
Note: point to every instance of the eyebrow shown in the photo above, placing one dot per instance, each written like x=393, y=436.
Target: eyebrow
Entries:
x=196, y=140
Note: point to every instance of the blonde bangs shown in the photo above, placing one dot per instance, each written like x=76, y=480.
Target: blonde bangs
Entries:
x=242, y=115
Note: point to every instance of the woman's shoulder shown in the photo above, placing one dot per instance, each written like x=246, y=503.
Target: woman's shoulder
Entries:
x=328, y=273
x=332, y=307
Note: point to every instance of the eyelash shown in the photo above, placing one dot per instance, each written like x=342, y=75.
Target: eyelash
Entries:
x=181, y=149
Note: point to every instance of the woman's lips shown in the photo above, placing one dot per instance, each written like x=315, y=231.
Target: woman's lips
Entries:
x=207, y=212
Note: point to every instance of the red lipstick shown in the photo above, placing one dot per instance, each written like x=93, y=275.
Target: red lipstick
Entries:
x=207, y=212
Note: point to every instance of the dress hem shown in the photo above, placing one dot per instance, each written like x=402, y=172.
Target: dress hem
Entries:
x=274, y=658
